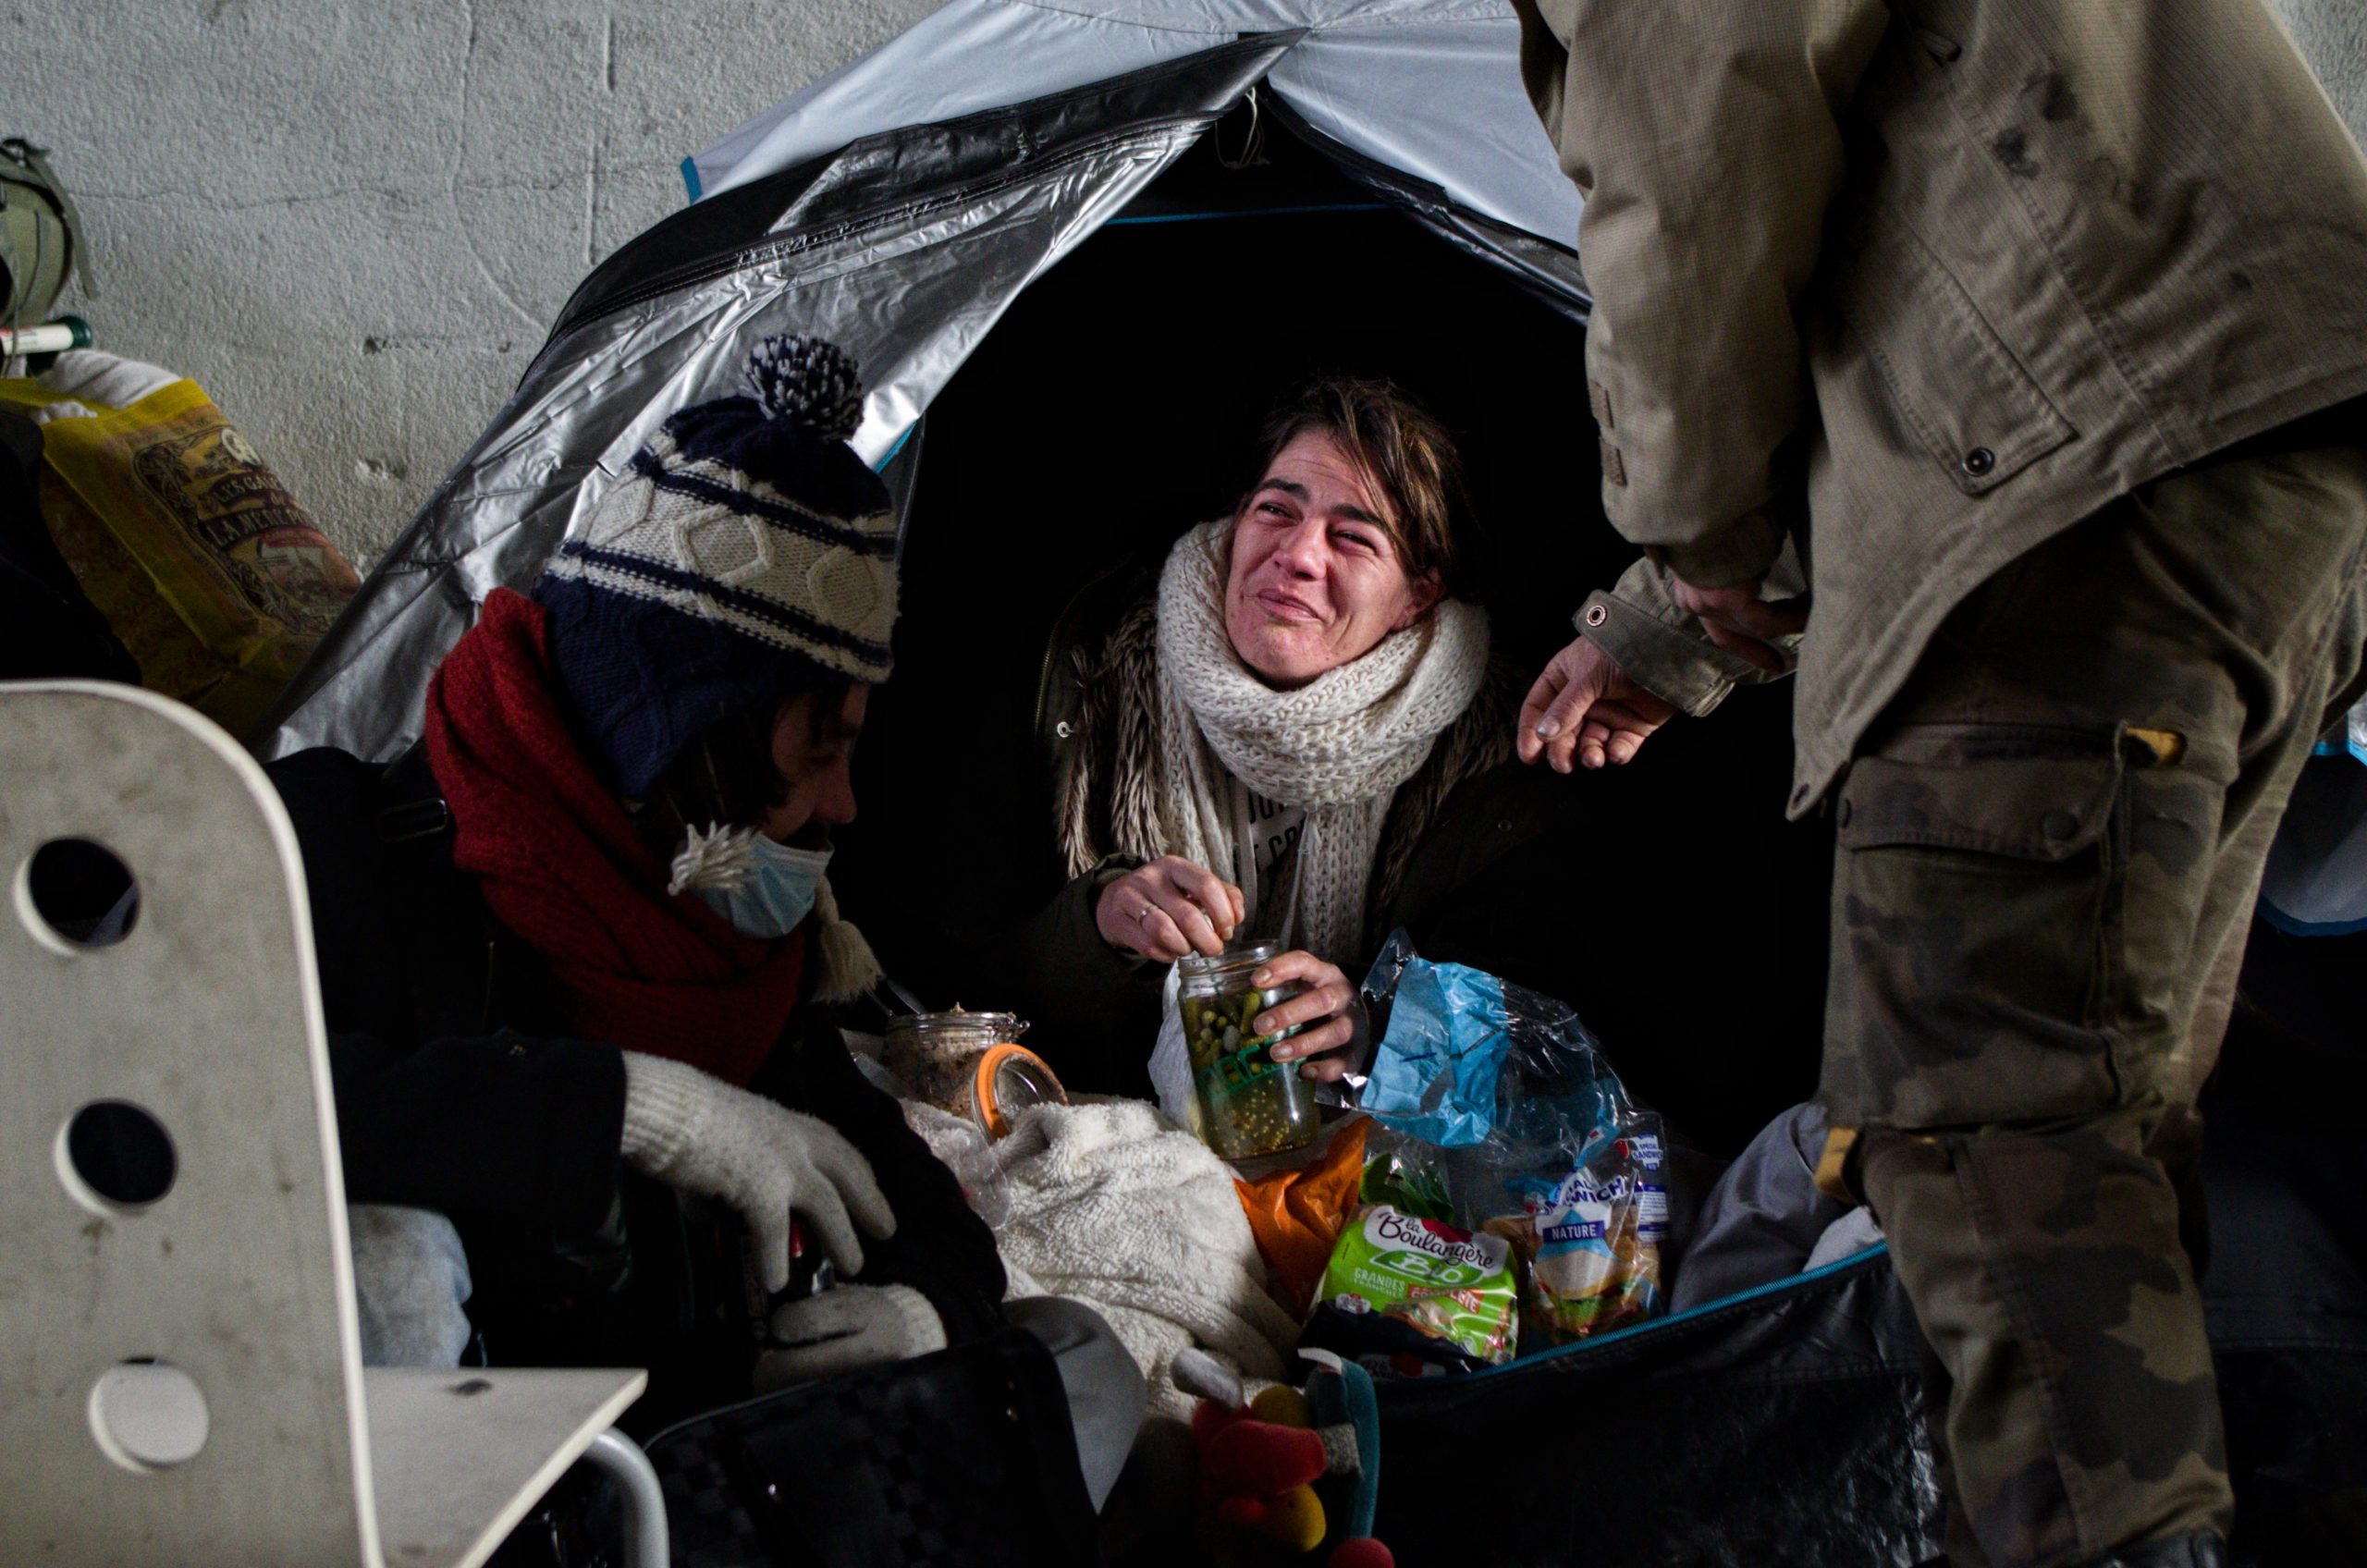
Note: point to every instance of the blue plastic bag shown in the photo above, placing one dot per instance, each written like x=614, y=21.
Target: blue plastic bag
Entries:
x=1498, y=1098
x=1434, y=1077
x=1467, y=1060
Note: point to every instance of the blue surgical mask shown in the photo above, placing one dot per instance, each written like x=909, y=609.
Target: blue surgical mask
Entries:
x=776, y=893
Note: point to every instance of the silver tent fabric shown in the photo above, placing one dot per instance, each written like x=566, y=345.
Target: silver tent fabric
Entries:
x=1430, y=88
x=898, y=207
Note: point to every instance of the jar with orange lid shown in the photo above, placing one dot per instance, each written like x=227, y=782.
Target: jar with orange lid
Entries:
x=972, y=1064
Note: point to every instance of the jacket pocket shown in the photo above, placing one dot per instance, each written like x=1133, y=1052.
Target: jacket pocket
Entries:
x=1976, y=923
x=1952, y=381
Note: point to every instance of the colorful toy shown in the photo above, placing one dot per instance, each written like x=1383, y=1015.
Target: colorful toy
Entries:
x=1259, y=1461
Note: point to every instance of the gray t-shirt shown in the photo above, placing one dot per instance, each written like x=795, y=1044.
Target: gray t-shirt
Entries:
x=1276, y=828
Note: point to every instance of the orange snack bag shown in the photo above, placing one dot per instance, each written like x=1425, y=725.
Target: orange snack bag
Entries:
x=1296, y=1215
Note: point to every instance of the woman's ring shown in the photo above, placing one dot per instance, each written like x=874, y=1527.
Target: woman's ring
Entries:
x=1144, y=914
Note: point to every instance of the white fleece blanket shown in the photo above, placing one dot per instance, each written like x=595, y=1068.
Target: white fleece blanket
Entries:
x=1111, y=1205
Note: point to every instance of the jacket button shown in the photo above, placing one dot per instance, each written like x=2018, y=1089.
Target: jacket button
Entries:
x=1597, y=614
x=1980, y=461
x=2058, y=825
x=1505, y=825
x=1064, y=729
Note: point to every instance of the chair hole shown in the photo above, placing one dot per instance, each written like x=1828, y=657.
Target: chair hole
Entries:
x=148, y=1414
x=116, y=1157
x=79, y=894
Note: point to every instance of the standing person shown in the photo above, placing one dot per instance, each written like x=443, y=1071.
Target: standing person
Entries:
x=2012, y=350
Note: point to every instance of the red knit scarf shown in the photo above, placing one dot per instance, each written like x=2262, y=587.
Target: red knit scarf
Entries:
x=559, y=865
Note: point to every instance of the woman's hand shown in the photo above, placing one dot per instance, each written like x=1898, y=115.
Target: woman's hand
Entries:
x=1169, y=908
x=1327, y=1003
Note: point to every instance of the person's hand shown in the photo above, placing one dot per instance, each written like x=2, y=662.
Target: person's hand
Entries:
x=1584, y=711
x=1738, y=621
x=1327, y=1003
x=694, y=1131
x=845, y=1327
x=1169, y=907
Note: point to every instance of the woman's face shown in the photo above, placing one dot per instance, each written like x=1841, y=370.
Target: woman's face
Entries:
x=813, y=748
x=1316, y=581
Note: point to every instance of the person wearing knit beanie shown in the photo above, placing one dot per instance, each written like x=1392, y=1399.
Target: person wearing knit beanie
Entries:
x=634, y=771
x=749, y=555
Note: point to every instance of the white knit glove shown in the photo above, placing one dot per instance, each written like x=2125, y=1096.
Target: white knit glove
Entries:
x=691, y=1129
x=851, y=1325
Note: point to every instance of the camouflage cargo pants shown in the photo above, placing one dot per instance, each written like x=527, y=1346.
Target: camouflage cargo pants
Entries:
x=2049, y=851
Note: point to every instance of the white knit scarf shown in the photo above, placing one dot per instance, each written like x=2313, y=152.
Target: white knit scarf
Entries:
x=1339, y=745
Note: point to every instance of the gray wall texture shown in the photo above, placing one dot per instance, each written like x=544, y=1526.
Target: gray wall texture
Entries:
x=2333, y=34
x=352, y=221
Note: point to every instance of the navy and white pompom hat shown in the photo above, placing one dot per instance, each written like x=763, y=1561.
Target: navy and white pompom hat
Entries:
x=751, y=554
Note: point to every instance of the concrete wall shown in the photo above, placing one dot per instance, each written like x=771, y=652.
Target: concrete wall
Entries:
x=2333, y=34
x=353, y=220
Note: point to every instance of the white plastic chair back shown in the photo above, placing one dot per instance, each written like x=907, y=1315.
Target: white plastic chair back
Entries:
x=180, y=1379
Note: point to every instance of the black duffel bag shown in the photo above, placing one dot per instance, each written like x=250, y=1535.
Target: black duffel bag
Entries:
x=961, y=1459
x=1784, y=1428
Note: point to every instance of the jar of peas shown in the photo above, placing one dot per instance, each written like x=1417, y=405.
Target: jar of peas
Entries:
x=1250, y=1104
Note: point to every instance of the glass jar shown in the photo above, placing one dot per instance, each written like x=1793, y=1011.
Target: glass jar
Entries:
x=1250, y=1104
x=972, y=1064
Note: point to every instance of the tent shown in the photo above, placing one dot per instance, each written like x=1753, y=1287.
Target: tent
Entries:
x=1077, y=251
x=900, y=207
x=1074, y=247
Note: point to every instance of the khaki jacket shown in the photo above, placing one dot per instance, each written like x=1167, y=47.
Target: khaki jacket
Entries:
x=1944, y=277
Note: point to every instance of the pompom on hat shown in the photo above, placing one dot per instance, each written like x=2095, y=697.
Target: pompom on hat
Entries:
x=749, y=555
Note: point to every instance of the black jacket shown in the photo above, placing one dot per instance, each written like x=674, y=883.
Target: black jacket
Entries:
x=458, y=1090
x=1615, y=891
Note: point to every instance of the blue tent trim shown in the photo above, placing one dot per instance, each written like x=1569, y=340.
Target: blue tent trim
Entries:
x=2293, y=927
x=1659, y=1325
x=891, y=454
x=1251, y=213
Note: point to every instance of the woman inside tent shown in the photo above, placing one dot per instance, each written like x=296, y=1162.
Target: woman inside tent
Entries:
x=576, y=959
x=1267, y=740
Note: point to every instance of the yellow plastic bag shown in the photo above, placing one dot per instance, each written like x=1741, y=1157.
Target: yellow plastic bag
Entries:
x=209, y=572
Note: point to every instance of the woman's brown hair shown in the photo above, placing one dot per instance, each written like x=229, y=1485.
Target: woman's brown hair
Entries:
x=1399, y=450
